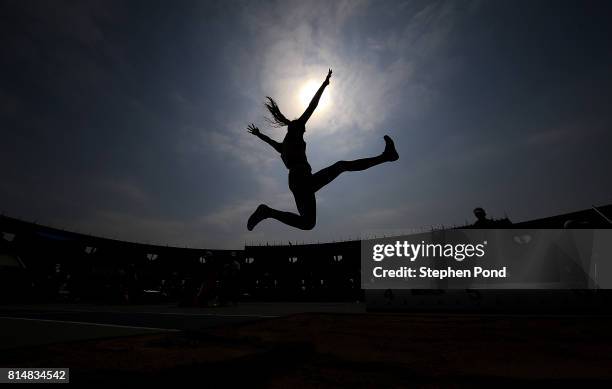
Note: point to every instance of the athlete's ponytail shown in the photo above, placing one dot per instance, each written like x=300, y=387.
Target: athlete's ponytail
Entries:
x=278, y=119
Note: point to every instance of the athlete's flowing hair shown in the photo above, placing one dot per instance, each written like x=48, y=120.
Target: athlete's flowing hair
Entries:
x=278, y=119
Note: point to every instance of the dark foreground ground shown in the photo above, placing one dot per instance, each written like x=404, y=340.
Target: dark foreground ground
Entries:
x=272, y=345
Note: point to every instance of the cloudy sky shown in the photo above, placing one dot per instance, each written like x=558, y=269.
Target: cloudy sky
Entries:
x=127, y=119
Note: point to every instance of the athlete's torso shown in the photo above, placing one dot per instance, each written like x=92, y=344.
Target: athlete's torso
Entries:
x=294, y=150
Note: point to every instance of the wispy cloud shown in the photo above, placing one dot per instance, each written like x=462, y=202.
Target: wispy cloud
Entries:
x=372, y=68
x=377, y=74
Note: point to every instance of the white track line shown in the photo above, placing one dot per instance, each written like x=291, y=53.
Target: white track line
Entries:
x=91, y=324
x=163, y=313
x=211, y=314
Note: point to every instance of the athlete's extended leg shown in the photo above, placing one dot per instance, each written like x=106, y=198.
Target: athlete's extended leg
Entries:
x=327, y=175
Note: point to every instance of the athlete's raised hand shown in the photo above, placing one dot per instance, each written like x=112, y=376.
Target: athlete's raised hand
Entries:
x=329, y=74
x=253, y=129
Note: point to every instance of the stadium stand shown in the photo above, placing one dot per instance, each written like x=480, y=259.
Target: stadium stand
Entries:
x=50, y=264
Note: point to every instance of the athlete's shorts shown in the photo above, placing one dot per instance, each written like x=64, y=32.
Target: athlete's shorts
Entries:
x=300, y=178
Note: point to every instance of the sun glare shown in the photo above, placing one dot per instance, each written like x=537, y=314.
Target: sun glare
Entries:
x=307, y=92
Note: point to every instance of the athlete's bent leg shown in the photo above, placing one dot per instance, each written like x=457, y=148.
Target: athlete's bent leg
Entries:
x=305, y=220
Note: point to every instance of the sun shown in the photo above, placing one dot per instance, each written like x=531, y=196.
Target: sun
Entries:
x=307, y=92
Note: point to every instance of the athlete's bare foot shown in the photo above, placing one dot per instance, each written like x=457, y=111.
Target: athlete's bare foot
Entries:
x=257, y=216
x=390, y=153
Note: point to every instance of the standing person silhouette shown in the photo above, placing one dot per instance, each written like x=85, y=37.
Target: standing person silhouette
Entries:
x=302, y=183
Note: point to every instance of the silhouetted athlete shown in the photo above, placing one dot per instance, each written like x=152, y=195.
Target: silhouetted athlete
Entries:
x=302, y=183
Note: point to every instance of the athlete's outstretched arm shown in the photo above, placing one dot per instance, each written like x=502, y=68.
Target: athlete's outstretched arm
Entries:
x=255, y=131
x=315, y=100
